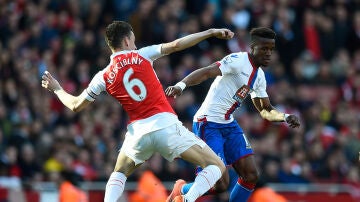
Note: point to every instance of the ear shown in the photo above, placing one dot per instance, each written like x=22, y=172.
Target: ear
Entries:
x=127, y=41
x=251, y=49
x=253, y=46
x=124, y=42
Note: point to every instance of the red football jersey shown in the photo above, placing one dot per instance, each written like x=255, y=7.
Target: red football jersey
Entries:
x=131, y=79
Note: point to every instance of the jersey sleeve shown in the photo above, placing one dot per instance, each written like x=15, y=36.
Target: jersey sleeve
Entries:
x=96, y=86
x=260, y=86
x=227, y=64
x=151, y=52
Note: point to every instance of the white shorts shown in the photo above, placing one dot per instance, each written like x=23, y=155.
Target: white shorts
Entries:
x=170, y=142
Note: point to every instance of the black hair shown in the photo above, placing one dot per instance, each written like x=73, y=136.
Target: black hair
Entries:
x=261, y=32
x=116, y=32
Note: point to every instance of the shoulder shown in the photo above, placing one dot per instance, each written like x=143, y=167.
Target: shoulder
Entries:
x=261, y=75
x=235, y=57
x=152, y=52
x=261, y=72
x=151, y=48
x=99, y=77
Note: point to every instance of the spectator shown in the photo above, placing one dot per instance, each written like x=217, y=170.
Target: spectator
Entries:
x=68, y=192
x=149, y=189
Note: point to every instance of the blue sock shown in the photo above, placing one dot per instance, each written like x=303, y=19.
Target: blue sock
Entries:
x=186, y=188
x=233, y=179
x=241, y=191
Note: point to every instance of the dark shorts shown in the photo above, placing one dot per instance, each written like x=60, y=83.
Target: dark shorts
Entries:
x=228, y=141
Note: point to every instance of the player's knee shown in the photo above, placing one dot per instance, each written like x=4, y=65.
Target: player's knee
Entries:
x=221, y=166
x=216, y=162
x=118, y=169
x=221, y=187
x=251, y=177
x=222, y=184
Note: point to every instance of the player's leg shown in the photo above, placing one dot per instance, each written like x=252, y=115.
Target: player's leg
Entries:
x=213, y=168
x=211, y=134
x=246, y=168
x=223, y=183
x=238, y=152
x=220, y=186
x=178, y=141
x=134, y=151
x=123, y=169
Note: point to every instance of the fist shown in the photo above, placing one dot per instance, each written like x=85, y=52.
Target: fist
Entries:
x=293, y=121
x=173, y=91
x=49, y=82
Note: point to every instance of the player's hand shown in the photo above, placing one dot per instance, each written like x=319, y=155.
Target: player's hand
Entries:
x=50, y=82
x=173, y=91
x=293, y=121
x=222, y=33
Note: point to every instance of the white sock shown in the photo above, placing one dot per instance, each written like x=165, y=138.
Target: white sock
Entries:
x=203, y=182
x=114, y=187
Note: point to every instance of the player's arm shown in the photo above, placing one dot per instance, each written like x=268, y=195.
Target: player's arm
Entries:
x=74, y=103
x=194, y=78
x=268, y=112
x=192, y=39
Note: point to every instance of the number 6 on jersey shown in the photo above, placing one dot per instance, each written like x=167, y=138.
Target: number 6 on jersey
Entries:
x=130, y=84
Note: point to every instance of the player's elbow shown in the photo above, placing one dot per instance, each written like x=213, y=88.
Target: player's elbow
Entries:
x=75, y=109
x=264, y=114
x=78, y=107
x=171, y=47
x=175, y=47
x=79, y=103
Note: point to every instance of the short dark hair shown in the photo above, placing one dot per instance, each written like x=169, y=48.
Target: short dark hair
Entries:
x=262, y=32
x=116, y=32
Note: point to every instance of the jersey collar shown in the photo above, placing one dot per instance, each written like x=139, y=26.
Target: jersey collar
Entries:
x=251, y=61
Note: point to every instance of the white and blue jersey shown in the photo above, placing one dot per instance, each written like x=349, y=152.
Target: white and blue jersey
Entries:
x=214, y=122
x=239, y=78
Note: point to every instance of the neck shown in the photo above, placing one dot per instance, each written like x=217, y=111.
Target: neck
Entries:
x=116, y=50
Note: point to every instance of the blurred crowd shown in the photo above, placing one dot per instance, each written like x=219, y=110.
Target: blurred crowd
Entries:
x=315, y=73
